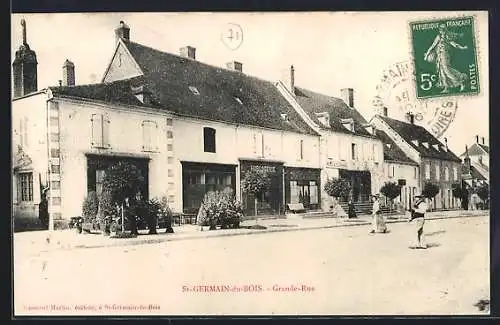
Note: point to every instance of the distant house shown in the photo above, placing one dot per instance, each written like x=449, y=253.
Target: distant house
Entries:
x=190, y=128
x=349, y=148
x=476, y=166
x=399, y=169
x=437, y=164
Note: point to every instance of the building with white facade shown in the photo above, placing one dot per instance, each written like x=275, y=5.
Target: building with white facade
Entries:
x=188, y=126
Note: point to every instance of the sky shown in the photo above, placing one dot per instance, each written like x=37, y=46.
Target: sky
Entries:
x=329, y=50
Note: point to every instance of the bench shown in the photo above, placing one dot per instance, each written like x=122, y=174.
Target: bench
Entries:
x=296, y=207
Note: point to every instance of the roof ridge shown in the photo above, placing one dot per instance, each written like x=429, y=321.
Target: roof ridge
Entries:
x=202, y=63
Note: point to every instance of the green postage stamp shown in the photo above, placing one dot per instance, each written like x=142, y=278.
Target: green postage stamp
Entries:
x=445, y=57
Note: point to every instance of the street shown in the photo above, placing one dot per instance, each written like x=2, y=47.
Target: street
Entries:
x=338, y=271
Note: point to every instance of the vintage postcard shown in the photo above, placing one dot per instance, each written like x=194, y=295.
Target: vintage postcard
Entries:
x=307, y=163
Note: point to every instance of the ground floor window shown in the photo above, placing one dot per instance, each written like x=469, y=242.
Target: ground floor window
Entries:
x=199, y=179
x=26, y=186
x=302, y=185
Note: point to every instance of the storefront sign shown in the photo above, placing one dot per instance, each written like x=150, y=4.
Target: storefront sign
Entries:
x=267, y=169
x=336, y=164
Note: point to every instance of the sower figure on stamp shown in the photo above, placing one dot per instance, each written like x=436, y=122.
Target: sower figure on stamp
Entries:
x=378, y=222
x=439, y=53
x=418, y=214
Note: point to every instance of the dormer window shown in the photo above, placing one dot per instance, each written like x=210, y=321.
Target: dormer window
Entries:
x=324, y=118
x=415, y=142
x=194, y=90
x=388, y=145
x=435, y=146
x=370, y=129
x=284, y=117
x=238, y=100
x=348, y=124
x=426, y=144
x=444, y=148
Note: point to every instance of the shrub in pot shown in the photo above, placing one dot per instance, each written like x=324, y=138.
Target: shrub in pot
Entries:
x=90, y=209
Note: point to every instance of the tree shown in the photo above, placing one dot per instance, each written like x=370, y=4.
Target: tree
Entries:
x=430, y=190
x=122, y=180
x=337, y=187
x=461, y=193
x=483, y=192
x=256, y=182
x=391, y=190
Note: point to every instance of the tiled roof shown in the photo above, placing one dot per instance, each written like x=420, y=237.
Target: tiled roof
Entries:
x=313, y=103
x=410, y=132
x=391, y=151
x=218, y=94
x=476, y=149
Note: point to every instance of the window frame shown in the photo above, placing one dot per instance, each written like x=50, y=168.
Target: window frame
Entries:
x=354, y=151
x=149, y=139
x=103, y=131
x=209, y=140
x=25, y=194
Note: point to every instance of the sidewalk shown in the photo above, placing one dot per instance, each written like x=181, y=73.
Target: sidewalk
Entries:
x=43, y=241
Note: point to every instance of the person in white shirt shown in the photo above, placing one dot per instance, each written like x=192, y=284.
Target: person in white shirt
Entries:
x=378, y=223
x=418, y=214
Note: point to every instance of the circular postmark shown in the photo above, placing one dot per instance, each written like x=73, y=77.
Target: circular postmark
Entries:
x=232, y=36
x=396, y=93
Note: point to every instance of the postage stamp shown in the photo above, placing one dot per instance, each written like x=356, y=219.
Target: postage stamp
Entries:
x=395, y=92
x=445, y=57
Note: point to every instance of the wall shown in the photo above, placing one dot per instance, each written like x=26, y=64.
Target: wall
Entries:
x=30, y=111
x=336, y=153
x=125, y=138
x=444, y=199
x=410, y=173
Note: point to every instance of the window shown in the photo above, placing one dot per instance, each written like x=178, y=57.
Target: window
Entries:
x=438, y=172
x=373, y=152
x=393, y=170
x=388, y=170
x=354, y=151
x=301, y=149
x=100, y=131
x=446, y=174
x=427, y=171
x=455, y=173
x=149, y=136
x=169, y=121
x=209, y=139
x=99, y=178
x=415, y=174
x=258, y=140
x=26, y=186
x=194, y=90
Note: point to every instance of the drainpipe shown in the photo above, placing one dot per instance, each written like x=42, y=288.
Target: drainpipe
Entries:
x=49, y=200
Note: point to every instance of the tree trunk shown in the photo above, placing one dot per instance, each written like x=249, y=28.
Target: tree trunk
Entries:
x=123, y=219
x=255, y=206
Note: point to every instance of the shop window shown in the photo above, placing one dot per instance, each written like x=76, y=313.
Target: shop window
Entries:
x=100, y=131
x=209, y=139
x=26, y=186
x=149, y=136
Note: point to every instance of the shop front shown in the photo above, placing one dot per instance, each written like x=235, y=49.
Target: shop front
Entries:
x=271, y=201
x=302, y=185
x=359, y=183
x=201, y=178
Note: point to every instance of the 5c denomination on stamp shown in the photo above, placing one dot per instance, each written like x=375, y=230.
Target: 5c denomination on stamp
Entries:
x=445, y=57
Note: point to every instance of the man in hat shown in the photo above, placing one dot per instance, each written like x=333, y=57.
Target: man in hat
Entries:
x=418, y=214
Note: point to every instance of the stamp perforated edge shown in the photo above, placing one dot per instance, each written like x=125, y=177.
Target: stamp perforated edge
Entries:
x=476, y=44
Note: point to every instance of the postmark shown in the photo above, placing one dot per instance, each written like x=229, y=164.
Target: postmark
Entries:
x=396, y=93
x=445, y=57
x=232, y=36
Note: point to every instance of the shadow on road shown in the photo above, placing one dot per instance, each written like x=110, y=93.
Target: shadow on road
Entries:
x=435, y=233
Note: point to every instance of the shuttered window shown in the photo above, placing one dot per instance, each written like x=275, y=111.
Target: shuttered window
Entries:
x=149, y=136
x=100, y=131
x=208, y=139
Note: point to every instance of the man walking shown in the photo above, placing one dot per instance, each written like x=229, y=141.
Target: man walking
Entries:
x=418, y=214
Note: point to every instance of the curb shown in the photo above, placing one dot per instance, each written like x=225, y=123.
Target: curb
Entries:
x=169, y=238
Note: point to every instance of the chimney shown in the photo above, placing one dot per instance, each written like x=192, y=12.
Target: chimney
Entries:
x=348, y=96
x=467, y=158
x=24, y=67
x=68, y=73
x=122, y=32
x=477, y=138
x=482, y=140
x=235, y=65
x=410, y=118
x=188, y=52
x=291, y=80
x=384, y=111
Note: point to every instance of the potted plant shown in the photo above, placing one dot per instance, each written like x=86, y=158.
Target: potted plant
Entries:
x=391, y=190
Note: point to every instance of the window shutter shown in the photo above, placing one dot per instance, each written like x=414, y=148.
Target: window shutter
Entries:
x=145, y=135
x=96, y=122
x=105, y=131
